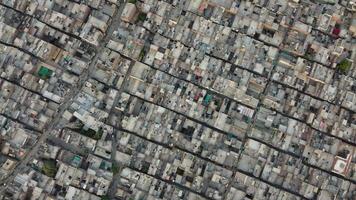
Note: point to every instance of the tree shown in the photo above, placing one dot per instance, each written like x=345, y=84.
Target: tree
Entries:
x=142, y=17
x=344, y=65
x=49, y=168
x=105, y=197
x=115, y=168
x=98, y=134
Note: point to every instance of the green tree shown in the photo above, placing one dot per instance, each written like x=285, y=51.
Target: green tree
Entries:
x=49, y=168
x=115, y=168
x=105, y=197
x=142, y=17
x=344, y=65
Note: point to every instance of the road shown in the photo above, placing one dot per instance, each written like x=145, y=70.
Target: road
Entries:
x=68, y=100
x=112, y=189
x=114, y=182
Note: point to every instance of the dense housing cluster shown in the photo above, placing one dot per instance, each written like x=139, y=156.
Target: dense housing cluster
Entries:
x=177, y=99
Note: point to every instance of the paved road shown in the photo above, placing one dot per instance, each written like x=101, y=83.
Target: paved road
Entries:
x=112, y=189
x=68, y=100
x=114, y=182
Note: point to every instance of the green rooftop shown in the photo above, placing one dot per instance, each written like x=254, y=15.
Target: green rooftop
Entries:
x=67, y=58
x=207, y=99
x=44, y=72
x=76, y=160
